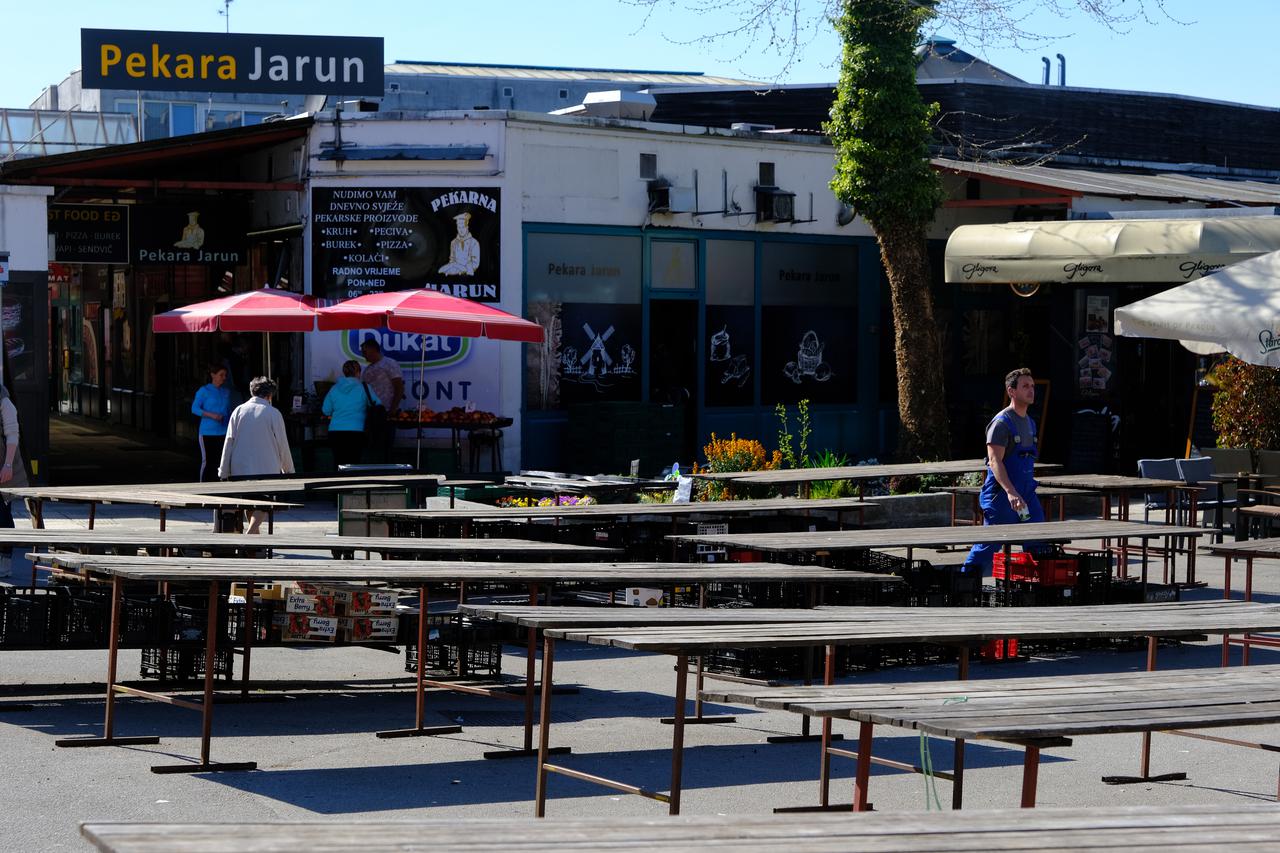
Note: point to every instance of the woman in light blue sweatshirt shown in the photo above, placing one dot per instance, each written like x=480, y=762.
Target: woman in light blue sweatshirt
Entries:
x=212, y=405
x=346, y=405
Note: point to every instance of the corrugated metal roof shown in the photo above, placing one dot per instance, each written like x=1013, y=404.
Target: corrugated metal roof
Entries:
x=533, y=72
x=1164, y=186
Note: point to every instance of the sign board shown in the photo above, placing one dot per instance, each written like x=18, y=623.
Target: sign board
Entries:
x=4, y=267
x=230, y=62
x=197, y=233
x=89, y=233
x=376, y=239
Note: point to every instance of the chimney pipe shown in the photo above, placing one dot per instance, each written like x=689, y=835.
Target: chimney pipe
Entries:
x=1062, y=69
x=1048, y=67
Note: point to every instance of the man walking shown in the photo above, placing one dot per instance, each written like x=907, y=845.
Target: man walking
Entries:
x=1009, y=491
x=386, y=379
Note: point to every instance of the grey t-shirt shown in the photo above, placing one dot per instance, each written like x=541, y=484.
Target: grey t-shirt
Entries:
x=1012, y=440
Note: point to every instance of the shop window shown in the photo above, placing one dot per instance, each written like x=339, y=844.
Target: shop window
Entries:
x=809, y=316
x=673, y=265
x=729, y=351
x=585, y=291
x=182, y=119
x=251, y=117
x=155, y=120
x=216, y=119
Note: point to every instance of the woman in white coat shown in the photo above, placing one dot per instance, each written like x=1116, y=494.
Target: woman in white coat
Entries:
x=256, y=444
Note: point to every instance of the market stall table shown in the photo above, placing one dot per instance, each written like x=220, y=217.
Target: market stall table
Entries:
x=1055, y=495
x=1242, y=828
x=836, y=626
x=214, y=573
x=936, y=537
x=163, y=500
x=563, y=484
x=804, y=478
x=1035, y=713
x=1247, y=551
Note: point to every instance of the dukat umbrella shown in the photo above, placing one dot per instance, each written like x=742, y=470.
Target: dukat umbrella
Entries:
x=265, y=310
x=427, y=312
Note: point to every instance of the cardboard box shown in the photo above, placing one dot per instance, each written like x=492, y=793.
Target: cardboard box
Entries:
x=639, y=596
x=306, y=628
x=357, y=601
x=320, y=605
x=368, y=629
x=261, y=591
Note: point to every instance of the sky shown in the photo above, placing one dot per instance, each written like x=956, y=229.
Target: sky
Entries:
x=1222, y=50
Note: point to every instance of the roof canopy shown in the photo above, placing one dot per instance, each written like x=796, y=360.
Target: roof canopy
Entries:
x=1089, y=251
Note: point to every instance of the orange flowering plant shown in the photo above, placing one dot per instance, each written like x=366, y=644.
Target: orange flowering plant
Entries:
x=734, y=454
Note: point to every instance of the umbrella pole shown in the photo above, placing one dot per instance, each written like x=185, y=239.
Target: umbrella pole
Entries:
x=268, y=334
x=422, y=374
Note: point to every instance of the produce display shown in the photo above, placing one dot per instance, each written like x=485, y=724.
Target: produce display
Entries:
x=457, y=415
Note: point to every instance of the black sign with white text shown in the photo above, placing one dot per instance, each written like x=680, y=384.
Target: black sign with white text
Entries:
x=375, y=239
x=198, y=233
x=90, y=233
x=230, y=62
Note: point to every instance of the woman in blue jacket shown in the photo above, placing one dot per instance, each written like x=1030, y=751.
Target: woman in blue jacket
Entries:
x=212, y=405
x=346, y=405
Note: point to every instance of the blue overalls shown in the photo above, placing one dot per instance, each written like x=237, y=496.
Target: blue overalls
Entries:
x=1019, y=463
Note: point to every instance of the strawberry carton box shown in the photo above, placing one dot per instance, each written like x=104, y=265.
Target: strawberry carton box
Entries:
x=301, y=597
x=306, y=628
x=359, y=600
x=368, y=629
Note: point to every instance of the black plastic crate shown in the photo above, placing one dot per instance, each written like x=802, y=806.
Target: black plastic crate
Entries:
x=27, y=618
x=482, y=659
x=82, y=620
x=184, y=663
x=263, y=612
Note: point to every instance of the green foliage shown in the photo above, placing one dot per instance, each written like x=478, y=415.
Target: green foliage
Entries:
x=1246, y=405
x=787, y=442
x=879, y=125
x=823, y=489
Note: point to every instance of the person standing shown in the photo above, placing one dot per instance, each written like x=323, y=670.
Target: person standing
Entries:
x=385, y=378
x=347, y=404
x=13, y=474
x=212, y=405
x=256, y=444
x=1009, y=491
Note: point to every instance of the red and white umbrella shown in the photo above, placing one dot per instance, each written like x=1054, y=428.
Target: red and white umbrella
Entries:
x=266, y=310
x=427, y=312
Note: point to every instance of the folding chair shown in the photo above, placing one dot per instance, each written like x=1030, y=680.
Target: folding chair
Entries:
x=1199, y=472
x=1158, y=469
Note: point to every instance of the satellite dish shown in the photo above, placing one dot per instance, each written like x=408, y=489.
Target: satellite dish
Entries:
x=845, y=214
x=314, y=103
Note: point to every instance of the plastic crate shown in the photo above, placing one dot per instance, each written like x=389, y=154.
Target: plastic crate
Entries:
x=82, y=621
x=1006, y=649
x=26, y=618
x=179, y=663
x=1052, y=570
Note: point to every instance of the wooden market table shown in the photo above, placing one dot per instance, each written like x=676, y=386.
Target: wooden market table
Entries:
x=163, y=500
x=217, y=574
x=804, y=478
x=1242, y=828
x=1117, y=491
x=414, y=521
x=848, y=626
x=1055, y=495
x=1007, y=535
x=1034, y=713
x=1248, y=551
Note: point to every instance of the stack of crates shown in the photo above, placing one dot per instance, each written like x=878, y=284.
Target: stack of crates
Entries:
x=455, y=646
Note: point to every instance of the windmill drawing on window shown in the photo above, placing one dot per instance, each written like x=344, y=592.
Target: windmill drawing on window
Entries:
x=595, y=364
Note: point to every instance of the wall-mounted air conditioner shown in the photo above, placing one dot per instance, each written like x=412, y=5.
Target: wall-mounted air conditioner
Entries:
x=775, y=205
x=664, y=198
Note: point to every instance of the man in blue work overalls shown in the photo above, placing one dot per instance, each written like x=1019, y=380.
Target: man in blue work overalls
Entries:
x=1009, y=491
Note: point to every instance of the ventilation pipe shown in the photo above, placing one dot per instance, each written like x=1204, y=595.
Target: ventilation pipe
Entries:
x=1062, y=69
x=1048, y=68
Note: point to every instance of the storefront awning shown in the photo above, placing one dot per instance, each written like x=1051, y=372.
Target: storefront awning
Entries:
x=1089, y=251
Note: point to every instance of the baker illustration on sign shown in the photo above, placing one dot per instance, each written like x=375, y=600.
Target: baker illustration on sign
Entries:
x=464, y=250
x=192, y=233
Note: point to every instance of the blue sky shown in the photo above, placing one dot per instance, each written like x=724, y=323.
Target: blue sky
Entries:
x=1223, y=50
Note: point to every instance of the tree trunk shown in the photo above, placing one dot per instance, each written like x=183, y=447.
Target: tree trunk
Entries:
x=922, y=405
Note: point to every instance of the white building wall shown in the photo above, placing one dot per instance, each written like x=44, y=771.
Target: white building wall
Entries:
x=24, y=227
x=576, y=172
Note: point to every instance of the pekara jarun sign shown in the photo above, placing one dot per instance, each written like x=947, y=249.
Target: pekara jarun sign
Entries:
x=231, y=62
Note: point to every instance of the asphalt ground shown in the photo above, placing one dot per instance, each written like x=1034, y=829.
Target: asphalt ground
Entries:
x=318, y=758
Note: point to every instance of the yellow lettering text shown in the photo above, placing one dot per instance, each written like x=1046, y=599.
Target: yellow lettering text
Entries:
x=226, y=67
x=184, y=66
x=135, y=65
x=206, y=59
x=110, y=55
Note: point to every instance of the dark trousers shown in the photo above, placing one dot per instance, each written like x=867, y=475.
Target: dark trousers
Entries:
x=6, y=520
x=348, y=445
x=210, y=457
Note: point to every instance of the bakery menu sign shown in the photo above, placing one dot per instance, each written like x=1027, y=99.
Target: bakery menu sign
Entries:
x=376, y=239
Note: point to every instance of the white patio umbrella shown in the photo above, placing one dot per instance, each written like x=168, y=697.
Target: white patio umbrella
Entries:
x=1236, y=310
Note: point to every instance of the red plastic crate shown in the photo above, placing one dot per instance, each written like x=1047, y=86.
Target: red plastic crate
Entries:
x=1006, y=649
x=1051, y=571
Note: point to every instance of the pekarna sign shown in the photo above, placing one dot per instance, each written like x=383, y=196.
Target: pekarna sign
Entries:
x=232, y=62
